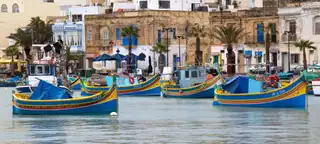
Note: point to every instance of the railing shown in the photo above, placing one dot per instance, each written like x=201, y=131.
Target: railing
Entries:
x=292, y=37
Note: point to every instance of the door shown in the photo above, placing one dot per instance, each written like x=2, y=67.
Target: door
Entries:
x=285, y=62
x=174, y=62
x=274, y=59
x=241, y=62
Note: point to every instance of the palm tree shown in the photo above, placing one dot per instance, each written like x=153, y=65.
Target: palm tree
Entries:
x=160, y=48
x=229, y=35
x=42, y=31
x=198, y=31
x=37, y=31
x=22, y=38
x=303, y=44
x=12, y=51
x=129, y=31
x=268, y=29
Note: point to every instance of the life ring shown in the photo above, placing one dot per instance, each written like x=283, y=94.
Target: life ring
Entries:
x=131, y=80
x=272, y=81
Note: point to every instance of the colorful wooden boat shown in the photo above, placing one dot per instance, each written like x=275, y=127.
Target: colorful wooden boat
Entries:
x=190, y=83
x=151, y=87
x=242, y=91
x=49, y=99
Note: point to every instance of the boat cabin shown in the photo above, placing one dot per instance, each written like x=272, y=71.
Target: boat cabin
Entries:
x=45, y=72
x=185, y=76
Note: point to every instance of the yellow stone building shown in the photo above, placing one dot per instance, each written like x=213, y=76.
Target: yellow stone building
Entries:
x=102, y=32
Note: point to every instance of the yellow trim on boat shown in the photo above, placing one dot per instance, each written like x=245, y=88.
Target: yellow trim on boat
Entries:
x=221, y=93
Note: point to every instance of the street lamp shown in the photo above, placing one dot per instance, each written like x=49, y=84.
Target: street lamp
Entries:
x=167, y=30
x=288, y=33
x=179, y=38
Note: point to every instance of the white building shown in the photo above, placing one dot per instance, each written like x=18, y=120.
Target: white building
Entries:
x=72, y=31
x=304, y=23
x=184, y=5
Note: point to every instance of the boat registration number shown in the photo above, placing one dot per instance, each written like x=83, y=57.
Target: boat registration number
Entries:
x=278, y=92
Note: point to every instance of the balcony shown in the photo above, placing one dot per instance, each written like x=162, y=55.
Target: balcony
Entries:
x=292, y=37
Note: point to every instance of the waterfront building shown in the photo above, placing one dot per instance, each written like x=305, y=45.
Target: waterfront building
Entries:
x=72, y=30
x=103, y=30
x=303, y=21
x=17, y=14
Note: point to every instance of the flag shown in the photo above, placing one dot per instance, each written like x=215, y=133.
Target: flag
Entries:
x=47, y=48
x=57, y=47
x=75, y=82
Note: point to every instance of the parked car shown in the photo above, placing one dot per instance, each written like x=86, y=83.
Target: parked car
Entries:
x=299, y=68
x=261, y=69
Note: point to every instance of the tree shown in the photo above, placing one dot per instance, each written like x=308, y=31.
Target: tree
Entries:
x=160, y=48
x=198, y=31
x=268, y=29
x=130, y=32
x=42, y=31
x=23, y=38
x=303, y=44
x=12, y=51
x=229, y=35
x=37, y=31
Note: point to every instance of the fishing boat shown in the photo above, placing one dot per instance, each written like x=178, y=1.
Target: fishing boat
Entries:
x=188, y=82
x=36, y=72
x=11, y=82
x=243, y=91
x=49, y=99
x=316, y=86
x=150, y=87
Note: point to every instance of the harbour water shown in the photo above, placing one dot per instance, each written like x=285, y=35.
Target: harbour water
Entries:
x=161, y=120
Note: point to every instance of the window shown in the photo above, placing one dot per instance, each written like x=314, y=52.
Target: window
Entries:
x=15, y=8
x=76, y=18
x=295, y=58
x=4, y=8
x=316, y=25
x=202, y=74
x=194, y=74
x=260, y=33
x=186, y=74
x=105, y=38
x=118, y=33
x=32, y=69
x=174, y=35
x=164, y=4
x=274, y=33
x=46, y=69
x=39, y=70
x=143, y=4
x=292, y=26
x=89, y=34
x=159, y=36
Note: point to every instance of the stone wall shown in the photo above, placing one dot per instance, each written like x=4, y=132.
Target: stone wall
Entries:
x=149, y=22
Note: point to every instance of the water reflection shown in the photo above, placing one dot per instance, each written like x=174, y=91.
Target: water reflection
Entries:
x=260, y=125
x=58, y=129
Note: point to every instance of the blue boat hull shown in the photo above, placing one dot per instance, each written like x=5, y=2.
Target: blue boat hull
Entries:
x=103, y=102
x=151, y=87
x=299, y=101
x=291, y=96
x=203, y=90
x=105, y=108
x=203, y=94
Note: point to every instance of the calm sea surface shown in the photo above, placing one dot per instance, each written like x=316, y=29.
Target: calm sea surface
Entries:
x=161, y=120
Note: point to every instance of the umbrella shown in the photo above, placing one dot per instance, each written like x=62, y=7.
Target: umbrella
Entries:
x=133, y=57
x=117, y=57
x=142, y=57
x=102, y=57
x=150, y=66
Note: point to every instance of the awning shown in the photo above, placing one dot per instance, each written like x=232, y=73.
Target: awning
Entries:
x=258, y=54
x=248, y=53
x=5, y=61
